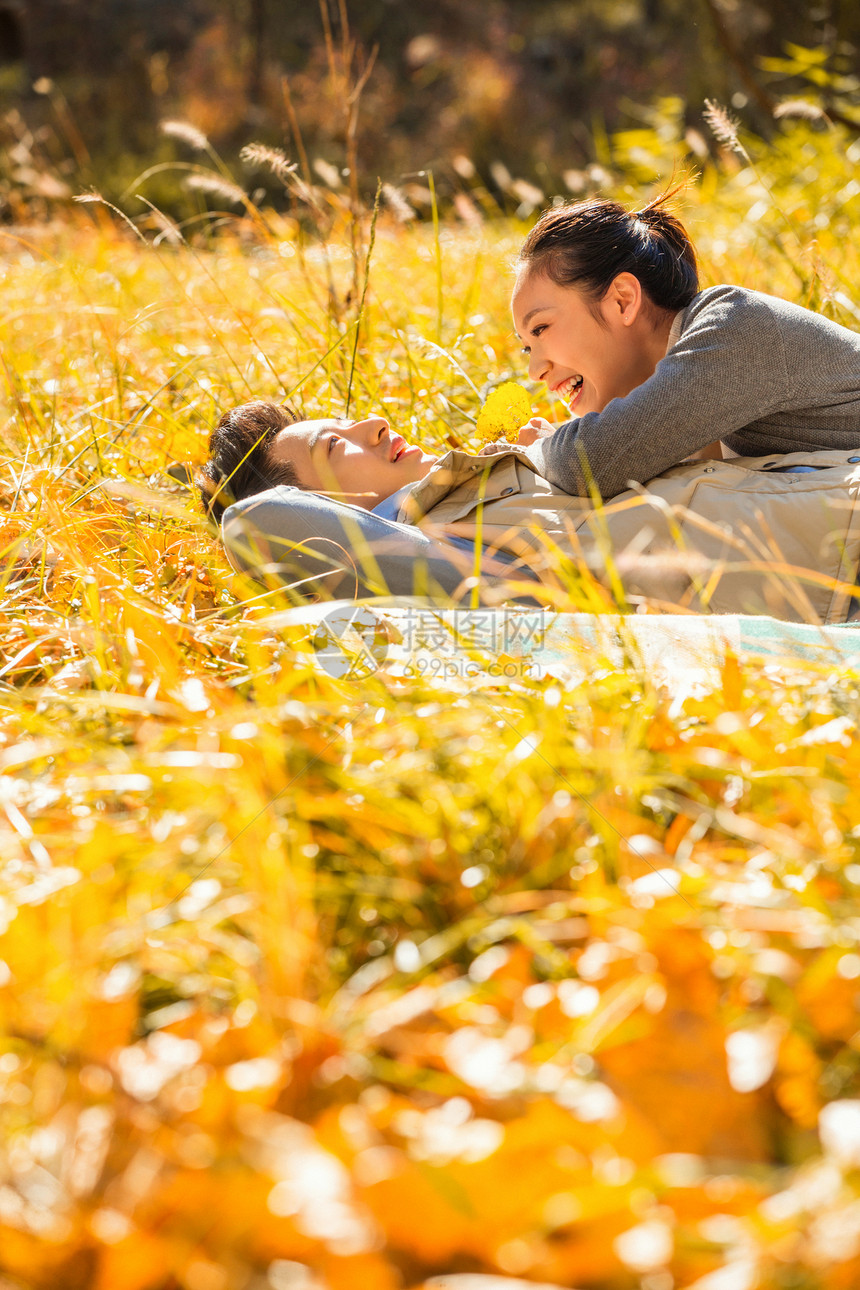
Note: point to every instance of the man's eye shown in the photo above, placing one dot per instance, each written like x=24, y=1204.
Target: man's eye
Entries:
x=331, y=441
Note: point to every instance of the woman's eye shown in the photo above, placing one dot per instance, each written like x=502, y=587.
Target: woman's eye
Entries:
x=331, y=441
x=536, y=331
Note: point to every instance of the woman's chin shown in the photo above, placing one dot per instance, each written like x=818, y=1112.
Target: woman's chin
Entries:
x=585, y=405
x=583, y=401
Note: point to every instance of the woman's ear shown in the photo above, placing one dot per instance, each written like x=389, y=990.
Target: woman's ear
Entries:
x=625, y=298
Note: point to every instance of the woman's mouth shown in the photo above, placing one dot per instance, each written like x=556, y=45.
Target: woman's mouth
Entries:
x=570, y=390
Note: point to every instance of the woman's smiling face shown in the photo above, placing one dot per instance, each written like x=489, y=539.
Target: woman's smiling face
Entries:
x=360, y=462
x=587, y=354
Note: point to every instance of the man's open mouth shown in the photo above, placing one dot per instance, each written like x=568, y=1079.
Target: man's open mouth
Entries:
x=400, y=446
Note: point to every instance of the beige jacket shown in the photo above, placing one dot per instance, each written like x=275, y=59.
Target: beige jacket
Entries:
x=707, y=536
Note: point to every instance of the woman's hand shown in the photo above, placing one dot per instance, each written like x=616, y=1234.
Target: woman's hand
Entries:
x=528, y=434
x=535, y=429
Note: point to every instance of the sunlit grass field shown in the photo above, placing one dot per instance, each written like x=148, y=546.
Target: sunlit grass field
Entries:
x=311, y=983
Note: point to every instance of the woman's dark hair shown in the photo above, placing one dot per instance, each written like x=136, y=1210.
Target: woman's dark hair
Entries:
x=587, y=244
x=240, y=462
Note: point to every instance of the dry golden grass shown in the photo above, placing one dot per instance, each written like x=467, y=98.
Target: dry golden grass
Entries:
x=320, y=983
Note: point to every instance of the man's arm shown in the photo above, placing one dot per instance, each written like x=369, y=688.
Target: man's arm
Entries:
x=317, y=546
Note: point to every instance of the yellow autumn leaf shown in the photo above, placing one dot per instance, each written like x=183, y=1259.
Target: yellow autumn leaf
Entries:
x=506, y=408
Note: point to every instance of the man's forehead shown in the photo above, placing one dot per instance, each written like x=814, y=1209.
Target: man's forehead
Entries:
x=299, y=442
x=302, y=429
x=293, y=442
x=305, y=432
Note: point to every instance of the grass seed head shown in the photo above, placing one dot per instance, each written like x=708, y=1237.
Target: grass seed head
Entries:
x=187, y=133
x=801, y=108
x=396, y=202
x=216, y=186
x=273, y=159
x=723, y=126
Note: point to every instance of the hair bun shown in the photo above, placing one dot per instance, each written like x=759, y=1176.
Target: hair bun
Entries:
x=586, y=244
x=666, y=227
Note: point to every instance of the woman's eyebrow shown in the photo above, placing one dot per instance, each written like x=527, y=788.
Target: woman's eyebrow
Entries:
x=531, y=313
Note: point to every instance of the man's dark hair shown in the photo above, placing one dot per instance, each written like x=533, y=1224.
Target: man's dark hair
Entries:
x=240, y=456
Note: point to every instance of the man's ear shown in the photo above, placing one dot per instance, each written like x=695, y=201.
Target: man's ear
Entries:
x=625, y=298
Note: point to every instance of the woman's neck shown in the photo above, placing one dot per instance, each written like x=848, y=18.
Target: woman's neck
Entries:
x=653, y=341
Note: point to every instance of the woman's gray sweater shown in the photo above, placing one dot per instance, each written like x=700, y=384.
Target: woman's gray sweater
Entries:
x=757, y=372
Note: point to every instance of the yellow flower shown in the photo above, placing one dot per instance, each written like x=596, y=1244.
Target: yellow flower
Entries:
x=507, y=408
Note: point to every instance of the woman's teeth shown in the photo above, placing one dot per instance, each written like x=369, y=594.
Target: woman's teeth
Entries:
x=570, y=388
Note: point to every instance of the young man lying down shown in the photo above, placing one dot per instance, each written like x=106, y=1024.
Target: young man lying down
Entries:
x=348, y=508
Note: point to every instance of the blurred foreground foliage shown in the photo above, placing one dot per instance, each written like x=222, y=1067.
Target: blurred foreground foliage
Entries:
x=310, y=984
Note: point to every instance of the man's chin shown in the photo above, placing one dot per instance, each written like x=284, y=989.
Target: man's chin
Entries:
x=422, y=466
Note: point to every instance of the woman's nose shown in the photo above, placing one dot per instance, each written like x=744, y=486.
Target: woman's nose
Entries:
x=537, y=367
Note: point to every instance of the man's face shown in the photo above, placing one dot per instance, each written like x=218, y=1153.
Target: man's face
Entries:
x=360, y=462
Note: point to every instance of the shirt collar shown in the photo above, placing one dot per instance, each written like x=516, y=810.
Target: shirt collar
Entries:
x=675, y=329
x=449, y=471
x=455, y=467
x=389, y=506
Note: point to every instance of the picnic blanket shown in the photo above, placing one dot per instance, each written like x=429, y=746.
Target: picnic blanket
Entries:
x=516, y=644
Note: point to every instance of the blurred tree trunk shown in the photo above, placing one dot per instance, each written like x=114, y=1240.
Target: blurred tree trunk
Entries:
x=734, y=52
x=257, y=33
x=652, y=12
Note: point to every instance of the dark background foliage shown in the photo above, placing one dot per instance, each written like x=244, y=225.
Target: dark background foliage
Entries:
x=533, y=84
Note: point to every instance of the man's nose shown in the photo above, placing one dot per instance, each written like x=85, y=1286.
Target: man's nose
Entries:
x=371, y=429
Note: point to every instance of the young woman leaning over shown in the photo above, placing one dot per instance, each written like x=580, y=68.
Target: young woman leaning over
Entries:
x=608, y=307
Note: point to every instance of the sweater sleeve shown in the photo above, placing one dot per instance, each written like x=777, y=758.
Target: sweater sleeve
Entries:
x=727, y=369
x=321, y=547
